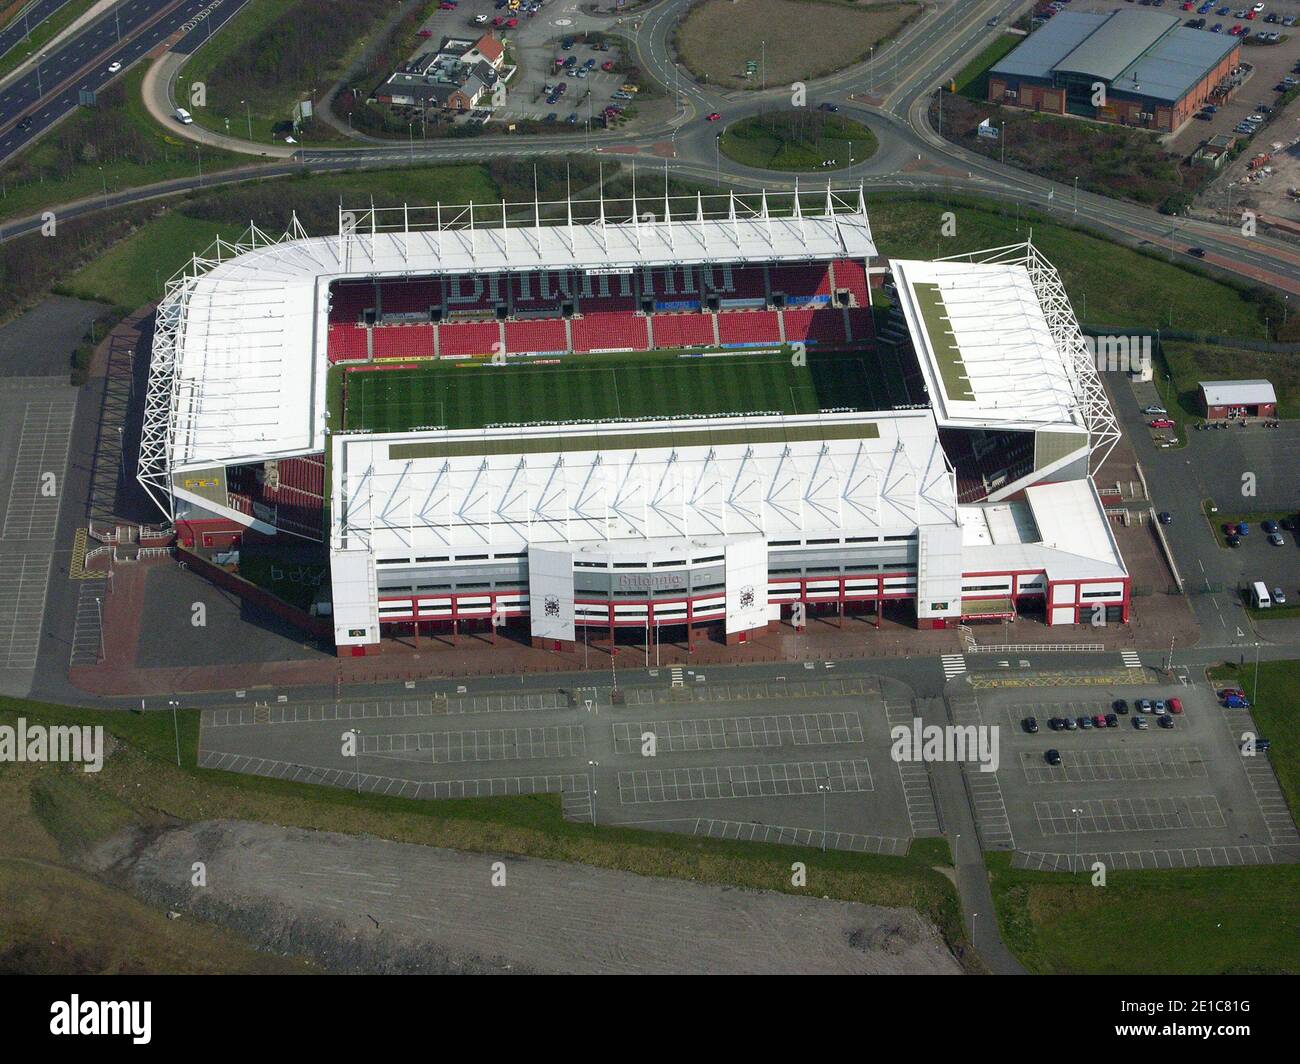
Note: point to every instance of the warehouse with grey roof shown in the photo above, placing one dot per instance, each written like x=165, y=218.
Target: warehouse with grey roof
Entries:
x=1134, y=67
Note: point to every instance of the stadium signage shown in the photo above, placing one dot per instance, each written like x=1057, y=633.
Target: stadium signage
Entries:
x=610, y=271
x=651, y=581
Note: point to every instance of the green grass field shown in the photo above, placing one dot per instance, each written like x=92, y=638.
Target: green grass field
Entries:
x=798, y=141
x=470, y=395
x=973, y=79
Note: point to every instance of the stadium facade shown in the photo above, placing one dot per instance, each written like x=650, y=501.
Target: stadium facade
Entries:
x=957, y=487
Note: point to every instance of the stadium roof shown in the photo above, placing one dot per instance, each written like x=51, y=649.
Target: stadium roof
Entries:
x=985, y=346
x=1234, y=393
x=1145, y=53
x=239, y=363
x=1061, y=528
x=491, y=489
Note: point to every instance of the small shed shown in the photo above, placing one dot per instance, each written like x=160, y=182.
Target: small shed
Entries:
x=1236, y=399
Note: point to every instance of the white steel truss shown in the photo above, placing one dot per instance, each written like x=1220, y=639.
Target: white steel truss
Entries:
x=1077, y=360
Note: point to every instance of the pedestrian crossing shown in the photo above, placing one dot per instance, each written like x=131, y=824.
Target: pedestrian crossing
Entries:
x=1131, y=659
x=953, y=665
x=679, y=679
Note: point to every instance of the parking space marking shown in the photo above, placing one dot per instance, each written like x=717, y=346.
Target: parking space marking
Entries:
x=1102, y=815
x=775, y=690
x=87, y=636
x=1103, y=766
x=743, y=781
x=43, y=444
x=1136, y=860
x=1263, y=781
x=740, y=733
x=396, y=786
x=922, y=813
x=489, y=744
x=508, y=703
x=750, y=831
x=22, y=606
x=314, y=712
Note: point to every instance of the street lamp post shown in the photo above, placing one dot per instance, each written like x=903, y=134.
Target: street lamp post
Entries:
x=825, y=789
x=593, y=765
x=357, y=732
x=176, y=729
x=248, y=114
x=1076, y=195
x=1078, y=814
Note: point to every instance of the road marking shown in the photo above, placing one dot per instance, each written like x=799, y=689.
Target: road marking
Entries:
x=953, y=665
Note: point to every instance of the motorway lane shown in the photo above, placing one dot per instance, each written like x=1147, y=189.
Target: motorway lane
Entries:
x=50, y=89
x=17, y=30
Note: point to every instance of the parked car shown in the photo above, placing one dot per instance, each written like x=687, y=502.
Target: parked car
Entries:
x=1112, y=721
x=1175, y=705
x=1234, y=541
x=1099, y=721
x=1164, y=517
x=1056, y=724
x=1085, y=723
x=1232, y=692
x=1140, y=723
x=1120, y=705
x=1166, y=722
x=1030, y=724
x=1154, y=410
x=1235, y=702
x=713, y=117
x=1268, y=526
x=830, y=107
x=607, y=65
x=1053, y=757
x=1071, y=724
x=1143, y=705
x=1243, y=529
x=1161, y=423
x=1277, y=540
x=1279, y=596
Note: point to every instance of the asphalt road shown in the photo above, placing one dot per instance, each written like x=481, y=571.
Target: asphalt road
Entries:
x=17, y=30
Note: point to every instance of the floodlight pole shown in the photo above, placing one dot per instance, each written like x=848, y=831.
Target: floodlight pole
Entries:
x=176, y=729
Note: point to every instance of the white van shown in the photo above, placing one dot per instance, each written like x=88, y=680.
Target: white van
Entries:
x=1259, y=596
x=183, y=116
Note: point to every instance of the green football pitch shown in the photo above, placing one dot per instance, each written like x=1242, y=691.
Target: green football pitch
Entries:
x=461, y=395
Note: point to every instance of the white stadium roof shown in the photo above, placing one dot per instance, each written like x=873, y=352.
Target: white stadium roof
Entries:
x=985, y=346
x=238, y=371
x=414, y=495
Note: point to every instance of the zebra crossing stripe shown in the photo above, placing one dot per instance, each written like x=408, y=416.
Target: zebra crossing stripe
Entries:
x=953, y=665
x=1131, y=659
x=679, y=679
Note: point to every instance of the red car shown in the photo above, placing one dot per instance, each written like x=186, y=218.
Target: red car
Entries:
x=425, y=33
x=511, y=23
x=607, y=65
x=1175, y=705
x=1232, y=692
x=713, y=117
x=1161, y=423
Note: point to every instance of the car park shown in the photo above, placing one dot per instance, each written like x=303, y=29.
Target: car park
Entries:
x=1052, y=757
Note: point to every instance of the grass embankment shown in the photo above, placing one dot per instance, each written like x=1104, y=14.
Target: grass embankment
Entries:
x=1203, y=921
x=972, y=81
x=42, y=33
x=798, y=141
x=60, y=813
x=111, y=147
x=1190, y=363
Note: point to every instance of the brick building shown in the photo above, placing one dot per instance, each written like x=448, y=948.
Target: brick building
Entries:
x=1146, y=68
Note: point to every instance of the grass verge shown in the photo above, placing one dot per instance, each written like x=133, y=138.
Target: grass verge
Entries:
x=799, y=141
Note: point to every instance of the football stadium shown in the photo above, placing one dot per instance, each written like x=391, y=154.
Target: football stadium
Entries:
x=709, y=414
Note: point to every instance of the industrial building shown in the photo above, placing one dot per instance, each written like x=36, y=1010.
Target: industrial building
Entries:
x=1135, y=67
x=1237, y=399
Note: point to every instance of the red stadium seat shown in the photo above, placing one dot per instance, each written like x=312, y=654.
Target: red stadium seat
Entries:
x=815, y=326
x=861, y=325
x=347, y=343
x=403, y=341
x=851, y=274
x=749, y=327
x=469, y=338
x=541, y=334
x=801, y=281
x=735, y=282
x=683, y=330
x=621, y=331
x=349, y=299
x=408, y=297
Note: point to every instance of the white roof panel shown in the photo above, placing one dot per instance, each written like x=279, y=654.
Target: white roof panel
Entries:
x=1238, y=393
x=984, y=344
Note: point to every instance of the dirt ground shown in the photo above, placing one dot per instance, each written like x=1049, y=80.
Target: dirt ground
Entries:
x=719, y=36
x=359, y=904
